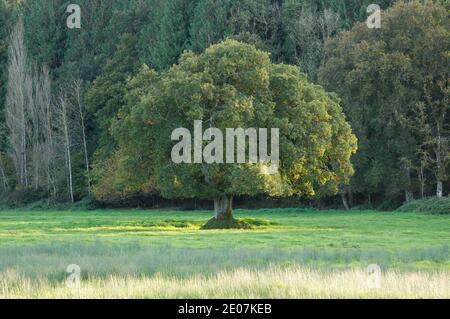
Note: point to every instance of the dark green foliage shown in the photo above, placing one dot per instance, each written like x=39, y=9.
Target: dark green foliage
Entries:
x=6, y=21
x=209, y=23
x=86, y=47
x=390, y=204
x=215, y=20
x=45, y=35
x=103, y=25
x=382, y=77
x=308, y=24
x=32, y=201
x=126, y=170
x=106, y=95
x=21, y=197
x=166, y=34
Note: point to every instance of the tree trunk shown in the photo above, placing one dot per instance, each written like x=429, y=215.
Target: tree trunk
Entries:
x=78, y=93
x=223, y=208
x=24, y=161
x=439, y=189
x=67, y=145
x=344, y=201
x=409, y=196
x=86, y=156
x=50, y=149
x=3, y=175
x=440, y=167
x=422, y=180
x=406, y=163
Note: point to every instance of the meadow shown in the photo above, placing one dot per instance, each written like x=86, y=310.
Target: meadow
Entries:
x=288, y=253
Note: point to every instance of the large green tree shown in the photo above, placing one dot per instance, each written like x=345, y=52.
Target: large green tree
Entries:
x=308, y=24
x=106, y=95
x=127, y=168
x=394, y=86
x=235, y=85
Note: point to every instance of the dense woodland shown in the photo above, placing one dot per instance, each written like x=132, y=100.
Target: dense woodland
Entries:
x=70, y=98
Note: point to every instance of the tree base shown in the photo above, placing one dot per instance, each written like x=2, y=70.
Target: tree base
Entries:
x=229, y=223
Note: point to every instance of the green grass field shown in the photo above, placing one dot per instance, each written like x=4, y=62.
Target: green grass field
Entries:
x=291, y=253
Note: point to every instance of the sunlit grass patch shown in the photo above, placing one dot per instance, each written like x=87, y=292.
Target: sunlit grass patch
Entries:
x=275, y=282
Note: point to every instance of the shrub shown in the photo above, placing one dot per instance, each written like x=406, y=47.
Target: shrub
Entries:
x=87, y=203
x=231, y=223
x=21, y=197
x=432, y=205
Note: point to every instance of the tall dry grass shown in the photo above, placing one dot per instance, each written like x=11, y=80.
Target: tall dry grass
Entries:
x=274, y=282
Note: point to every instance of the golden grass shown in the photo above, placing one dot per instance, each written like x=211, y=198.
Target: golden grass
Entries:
x=274, y=282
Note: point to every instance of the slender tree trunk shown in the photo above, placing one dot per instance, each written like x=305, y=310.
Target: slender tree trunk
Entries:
x=67, y=146
x=438, y=151
x=36, y=151
x=4, y=178
x=439, y=183
x=50, y=150
x=77, y=90
x=24, y=159
x=440, y=189
x=83, y=131
x=344, y=201
x=409, y=196
x=406, y=163
x=223, y=208
x=69, y=168
x=422, y=179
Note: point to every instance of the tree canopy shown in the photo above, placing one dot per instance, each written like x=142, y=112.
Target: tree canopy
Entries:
x=235, y=85
x=394, y=85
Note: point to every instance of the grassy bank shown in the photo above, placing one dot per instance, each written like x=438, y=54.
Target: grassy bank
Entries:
x=432, y=205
